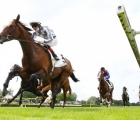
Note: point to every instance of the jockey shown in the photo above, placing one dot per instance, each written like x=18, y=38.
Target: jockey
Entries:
x=106, y=75
x=49, y=38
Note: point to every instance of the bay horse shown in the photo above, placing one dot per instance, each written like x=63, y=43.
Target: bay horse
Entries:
x=36, y=62
x=125, y=97
x=65, y=86
x=104, y=91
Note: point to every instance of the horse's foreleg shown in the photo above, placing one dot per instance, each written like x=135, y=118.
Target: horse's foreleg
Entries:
x=20, y=100
x=19, y=92
x=43, y=99
x=52, y=104
x=6, y=83
x=33, y=78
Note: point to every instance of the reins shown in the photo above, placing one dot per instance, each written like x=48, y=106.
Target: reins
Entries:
x=34, y=42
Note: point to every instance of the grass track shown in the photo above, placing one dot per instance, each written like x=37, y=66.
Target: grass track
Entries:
x=70, y=113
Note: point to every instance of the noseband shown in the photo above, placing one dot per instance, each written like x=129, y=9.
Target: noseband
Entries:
x=9, y=37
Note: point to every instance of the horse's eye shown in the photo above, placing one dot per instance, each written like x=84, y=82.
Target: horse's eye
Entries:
x=11, y=26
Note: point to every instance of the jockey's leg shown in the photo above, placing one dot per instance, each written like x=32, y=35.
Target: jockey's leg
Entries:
x=110, y=86
x=52, y=52
x=108, y=82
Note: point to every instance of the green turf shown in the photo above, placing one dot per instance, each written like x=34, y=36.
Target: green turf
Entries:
x=70, y=113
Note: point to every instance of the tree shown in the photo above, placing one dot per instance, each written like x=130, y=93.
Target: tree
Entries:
x=72, y=97
x=10, y=91
x=0, y=93
x=91, y=100
x=83, y=102
x=28, y=95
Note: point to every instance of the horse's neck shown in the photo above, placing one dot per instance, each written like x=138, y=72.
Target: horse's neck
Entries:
x=27, y=44
x=103, y=82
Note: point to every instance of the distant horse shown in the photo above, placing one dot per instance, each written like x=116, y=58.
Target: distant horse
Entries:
x=125, y=97
x=16, y=70
x=36, y=62
x=104, y=91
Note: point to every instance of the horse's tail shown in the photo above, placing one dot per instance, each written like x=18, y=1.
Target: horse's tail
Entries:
x=74, y=78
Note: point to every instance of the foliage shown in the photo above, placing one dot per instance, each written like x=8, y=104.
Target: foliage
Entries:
x=0, y=93
x=72, y=97
x=10, y=91
x=28, y=95
x=91, y=100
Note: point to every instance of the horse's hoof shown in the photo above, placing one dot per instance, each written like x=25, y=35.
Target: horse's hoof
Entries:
x=101, y=103
x=39, y=93
x=51, y=105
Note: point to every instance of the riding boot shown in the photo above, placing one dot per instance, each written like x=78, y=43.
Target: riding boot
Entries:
x=109, y=84
x=55, y=56
x=52, y=52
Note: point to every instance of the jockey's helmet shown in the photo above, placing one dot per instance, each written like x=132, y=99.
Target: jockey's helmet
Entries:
x=102, y=68
x=35, y=23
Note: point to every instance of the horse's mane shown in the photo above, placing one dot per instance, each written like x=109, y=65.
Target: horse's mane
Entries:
x=25, y=27
x=28, y=30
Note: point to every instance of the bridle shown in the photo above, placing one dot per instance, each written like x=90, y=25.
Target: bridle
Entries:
x=100, y=77
x=9, y=37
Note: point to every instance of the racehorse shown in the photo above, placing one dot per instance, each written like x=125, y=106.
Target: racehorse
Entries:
x=125, y=97
x=66, y=87
x=36, y=62
x=104, y=91
x=16, y=70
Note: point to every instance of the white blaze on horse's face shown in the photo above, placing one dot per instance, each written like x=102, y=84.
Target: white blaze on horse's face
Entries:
x=9, y=23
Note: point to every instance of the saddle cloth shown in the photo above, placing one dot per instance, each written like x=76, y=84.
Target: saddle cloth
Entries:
x=110, y=85
x=59, y=63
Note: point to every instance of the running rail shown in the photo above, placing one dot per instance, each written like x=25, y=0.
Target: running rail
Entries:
x=130, y=33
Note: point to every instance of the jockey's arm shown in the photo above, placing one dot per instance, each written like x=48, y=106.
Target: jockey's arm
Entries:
x=107, y=75
x=98, y=74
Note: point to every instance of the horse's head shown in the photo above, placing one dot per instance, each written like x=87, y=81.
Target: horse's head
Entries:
x=10, y=31
x=14, y=71
x=101, y=76
x=13, y=30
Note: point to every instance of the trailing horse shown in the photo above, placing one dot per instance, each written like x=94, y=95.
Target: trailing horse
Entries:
x=16, y=70
x=104, y=91
x=125, y=97
x=36, y=62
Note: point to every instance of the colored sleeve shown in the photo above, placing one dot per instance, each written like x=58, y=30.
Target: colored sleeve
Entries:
x=49, y=39
x=107, y=75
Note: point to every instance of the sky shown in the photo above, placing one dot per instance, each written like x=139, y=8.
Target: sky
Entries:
x=89, y=34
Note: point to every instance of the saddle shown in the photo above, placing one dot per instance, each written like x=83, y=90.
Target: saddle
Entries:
x=62, y=62
x=110, y=86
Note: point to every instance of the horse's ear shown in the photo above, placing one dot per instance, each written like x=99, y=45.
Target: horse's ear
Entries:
x=18, y=17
